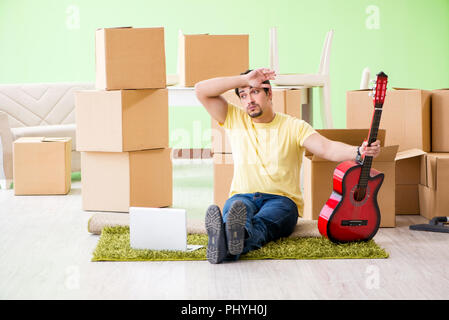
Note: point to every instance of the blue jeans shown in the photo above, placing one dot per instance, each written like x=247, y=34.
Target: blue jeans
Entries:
x=268, y=217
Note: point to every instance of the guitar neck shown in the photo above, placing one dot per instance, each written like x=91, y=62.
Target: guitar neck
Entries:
x=375, y=123
x=379, y=97
x=367, y=162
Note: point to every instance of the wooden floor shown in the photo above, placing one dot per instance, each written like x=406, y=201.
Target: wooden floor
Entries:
x=45, y=253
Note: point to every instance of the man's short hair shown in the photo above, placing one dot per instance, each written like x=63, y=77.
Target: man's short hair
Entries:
x=246, y=72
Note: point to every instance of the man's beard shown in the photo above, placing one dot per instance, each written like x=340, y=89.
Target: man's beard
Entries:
x=254, y=113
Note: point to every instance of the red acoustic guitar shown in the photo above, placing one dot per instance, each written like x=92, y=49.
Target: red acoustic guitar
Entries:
x=352, y=213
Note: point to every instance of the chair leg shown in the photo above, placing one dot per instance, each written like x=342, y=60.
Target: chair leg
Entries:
x=364, y=82
x=326, y=108
x=6, y=141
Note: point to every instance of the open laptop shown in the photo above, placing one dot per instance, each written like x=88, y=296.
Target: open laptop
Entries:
x=159, y=229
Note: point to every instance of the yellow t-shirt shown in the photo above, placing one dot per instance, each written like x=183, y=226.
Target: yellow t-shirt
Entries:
x=267, y=156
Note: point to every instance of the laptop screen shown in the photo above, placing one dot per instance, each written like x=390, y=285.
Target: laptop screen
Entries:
x=158, y=228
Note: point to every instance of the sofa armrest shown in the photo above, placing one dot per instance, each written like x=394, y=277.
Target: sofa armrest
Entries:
x=6, y=140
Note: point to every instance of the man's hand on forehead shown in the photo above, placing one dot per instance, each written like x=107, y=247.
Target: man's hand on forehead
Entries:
x=258, y=76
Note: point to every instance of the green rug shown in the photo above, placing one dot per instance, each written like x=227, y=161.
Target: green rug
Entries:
x=113, y=245
x=76, y=176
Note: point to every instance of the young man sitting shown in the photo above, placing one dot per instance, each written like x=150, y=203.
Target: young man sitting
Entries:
x=267, y=147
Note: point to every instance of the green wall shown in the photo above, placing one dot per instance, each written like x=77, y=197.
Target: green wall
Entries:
x=53, y=40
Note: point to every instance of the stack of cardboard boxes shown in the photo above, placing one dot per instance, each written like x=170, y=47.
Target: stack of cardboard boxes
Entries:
x=122, y=126
x=434, y=182
x=415, y=121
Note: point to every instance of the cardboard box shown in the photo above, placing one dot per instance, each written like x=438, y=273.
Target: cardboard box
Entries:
x=408, y=168
x=121, y=120
x=42, y=166
x=288, y=101
x=130, y=58
x=204, y=56
x=118, y=180
x=434, y=185
x=223, y=174
x=405, y=116
x=407, y=199
x=318, y=175
x=440, y=120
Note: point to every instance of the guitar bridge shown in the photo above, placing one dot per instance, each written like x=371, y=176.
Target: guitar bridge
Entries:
x=354, y=223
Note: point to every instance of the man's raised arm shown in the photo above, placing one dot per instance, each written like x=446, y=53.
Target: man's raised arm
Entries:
x=209, y=91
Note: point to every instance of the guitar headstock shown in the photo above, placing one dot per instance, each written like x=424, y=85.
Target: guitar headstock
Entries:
x=380, y=90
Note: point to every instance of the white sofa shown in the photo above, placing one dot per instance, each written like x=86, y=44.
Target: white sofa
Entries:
x=37, y=109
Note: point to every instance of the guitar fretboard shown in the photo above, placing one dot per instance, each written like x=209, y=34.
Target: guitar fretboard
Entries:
x=367, y=162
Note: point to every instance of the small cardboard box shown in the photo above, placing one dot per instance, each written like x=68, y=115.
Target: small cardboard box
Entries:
x=121, y=120
x=405, y=116
x=42, y=166
x=288, y=101
x=440, y=120
x=205, y=56
x=318, y=175
x=408, y=168
x=115, y=181
x=223, y=174
x=434, y=185
x=130, y=58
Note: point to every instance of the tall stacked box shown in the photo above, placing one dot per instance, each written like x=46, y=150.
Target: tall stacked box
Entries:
x=130, y=58
x=434, y=182
x=122, y=126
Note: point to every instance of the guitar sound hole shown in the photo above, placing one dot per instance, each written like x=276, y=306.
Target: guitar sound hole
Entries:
x=359, y=194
